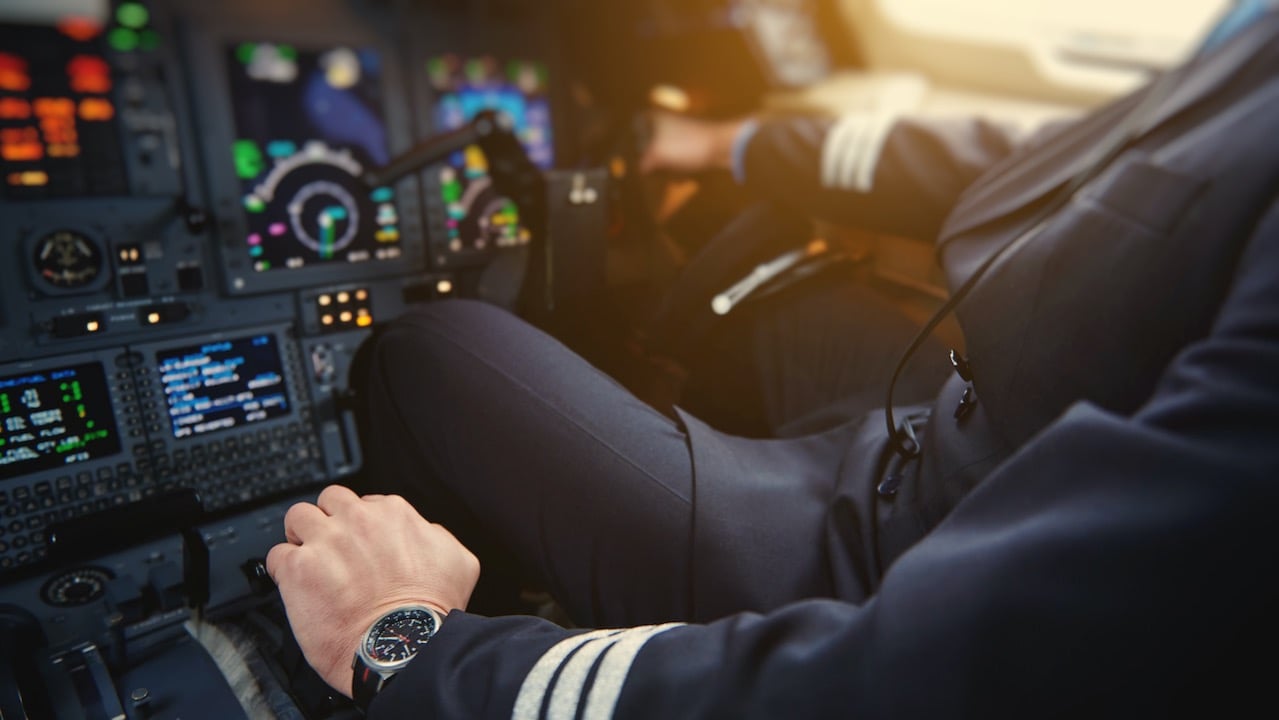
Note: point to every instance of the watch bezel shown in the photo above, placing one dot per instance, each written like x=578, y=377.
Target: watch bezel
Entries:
x=382, y=667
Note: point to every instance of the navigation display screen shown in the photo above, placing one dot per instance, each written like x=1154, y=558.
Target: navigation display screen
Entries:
x=308, y=123
x=478, y=217
x=55, y=418
x=223, y=385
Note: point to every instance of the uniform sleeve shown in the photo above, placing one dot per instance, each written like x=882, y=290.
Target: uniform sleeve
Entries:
x=1115, y=566
x=897, y=175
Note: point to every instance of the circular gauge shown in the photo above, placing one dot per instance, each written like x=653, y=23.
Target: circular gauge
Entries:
x=76, y=587
x=68, y=260
x=482, y=219
x=325, y=217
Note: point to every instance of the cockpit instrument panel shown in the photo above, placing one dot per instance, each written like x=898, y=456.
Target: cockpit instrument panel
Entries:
x=190, y=259
x=308, y=123
x=468, y=217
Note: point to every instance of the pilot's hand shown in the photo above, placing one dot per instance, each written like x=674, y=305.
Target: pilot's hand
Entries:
x=684, y=145
x=350, y=559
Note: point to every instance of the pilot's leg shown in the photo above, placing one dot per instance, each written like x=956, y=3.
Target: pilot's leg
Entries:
x=522, y=448
x=810, y=358
x=497, y=431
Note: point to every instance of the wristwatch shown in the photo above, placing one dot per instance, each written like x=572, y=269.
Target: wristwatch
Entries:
x=387, y=647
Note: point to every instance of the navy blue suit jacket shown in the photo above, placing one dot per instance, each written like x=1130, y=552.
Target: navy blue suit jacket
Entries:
x=1096, y=540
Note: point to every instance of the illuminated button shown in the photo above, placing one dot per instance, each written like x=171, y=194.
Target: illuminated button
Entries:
x=92, y=109
x=123, y=39
x=132, y=15
x=325, y=300
x=153, y=318
x=30, y=178
x=79, y=28
x=361, y=295
x=345, y=317
x=344, y=297
x=326, y=320
x=364, y=320
x=444, y=287
x=14, y=109
x=92, y=326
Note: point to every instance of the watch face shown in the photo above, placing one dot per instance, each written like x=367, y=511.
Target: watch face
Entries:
x=396, y=638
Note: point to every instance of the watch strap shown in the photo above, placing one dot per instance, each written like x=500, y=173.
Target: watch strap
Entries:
x=366, y=684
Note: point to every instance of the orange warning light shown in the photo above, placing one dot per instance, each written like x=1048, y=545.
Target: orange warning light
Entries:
x=31, y=178
x=22, y=152
x=54, y=107
x=14, y=81
x=14, y=109
x=92, y=109
x=64, y=150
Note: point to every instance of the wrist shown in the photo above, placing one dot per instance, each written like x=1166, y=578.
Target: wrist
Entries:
x=360, y=631
x=726, y=136
x=387, y=647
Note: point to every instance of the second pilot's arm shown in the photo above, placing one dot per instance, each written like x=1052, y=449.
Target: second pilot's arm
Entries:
x=896, y=174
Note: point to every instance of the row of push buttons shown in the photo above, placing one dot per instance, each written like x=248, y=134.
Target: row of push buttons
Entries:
x=26, y=511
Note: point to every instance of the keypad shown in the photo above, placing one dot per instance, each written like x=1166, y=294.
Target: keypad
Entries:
x=27, y=510
x=224, y=471
x=240, y=469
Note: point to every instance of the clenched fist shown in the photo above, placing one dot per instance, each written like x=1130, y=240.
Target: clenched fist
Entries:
x=349, y=559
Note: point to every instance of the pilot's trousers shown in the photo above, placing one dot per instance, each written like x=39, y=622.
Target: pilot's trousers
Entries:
x=526, y=451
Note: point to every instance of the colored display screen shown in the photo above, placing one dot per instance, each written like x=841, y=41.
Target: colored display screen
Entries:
x=308, y=124
x=53, y=419
x=478, y=218
x=58, y=133
x=223, y=385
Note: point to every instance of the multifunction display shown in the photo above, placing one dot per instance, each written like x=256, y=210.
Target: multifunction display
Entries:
x=54, y=418
x=308, y=123
x=478, y=217
x=223, y=385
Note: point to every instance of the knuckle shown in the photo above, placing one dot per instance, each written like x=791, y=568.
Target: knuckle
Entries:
x=291, y=515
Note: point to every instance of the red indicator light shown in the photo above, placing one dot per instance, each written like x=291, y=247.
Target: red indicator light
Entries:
x=13, y=73
x=14, y=109
x=98, y=84
x=92, y=109
x=12, y=63
x=79, y=28
x=87, y=65
x=14, y=136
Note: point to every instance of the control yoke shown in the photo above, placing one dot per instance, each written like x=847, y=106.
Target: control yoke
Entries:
x=513, y=175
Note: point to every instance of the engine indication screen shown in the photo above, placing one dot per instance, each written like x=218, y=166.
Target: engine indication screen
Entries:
x=55, y=418
x=223, y=385
x=308, y=123
x=58, y=134
x=478, y=217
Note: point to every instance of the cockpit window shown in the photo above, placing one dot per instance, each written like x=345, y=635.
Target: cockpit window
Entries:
x=1132, y=34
